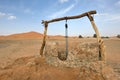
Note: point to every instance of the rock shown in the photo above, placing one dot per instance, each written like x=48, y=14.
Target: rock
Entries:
x=62, y=55
x=29, y=64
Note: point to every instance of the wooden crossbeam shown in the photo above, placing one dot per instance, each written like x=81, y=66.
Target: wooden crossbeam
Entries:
x=71, y=17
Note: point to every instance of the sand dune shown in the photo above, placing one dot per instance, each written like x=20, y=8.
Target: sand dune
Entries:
x=29, y=35
x=23, y=35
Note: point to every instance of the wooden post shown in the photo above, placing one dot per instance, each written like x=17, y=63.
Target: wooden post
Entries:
x=44, y=38
x=100, y=41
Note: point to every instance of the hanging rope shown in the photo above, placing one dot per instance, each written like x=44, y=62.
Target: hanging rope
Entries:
x=63, y=55
x=66, y=34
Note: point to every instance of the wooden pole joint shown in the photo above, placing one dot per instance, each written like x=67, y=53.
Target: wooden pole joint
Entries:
x=90, y=17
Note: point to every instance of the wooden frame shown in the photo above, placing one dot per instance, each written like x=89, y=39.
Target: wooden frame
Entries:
x=88, y=14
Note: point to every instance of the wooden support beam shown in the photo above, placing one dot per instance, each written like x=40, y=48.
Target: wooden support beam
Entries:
x=44, y=38
x=100, y=41
x=70, y=17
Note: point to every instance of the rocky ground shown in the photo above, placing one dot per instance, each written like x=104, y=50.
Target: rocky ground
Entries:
x=78, y=55
x=20, y=60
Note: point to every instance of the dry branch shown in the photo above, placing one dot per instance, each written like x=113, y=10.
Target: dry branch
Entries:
x=70, y=17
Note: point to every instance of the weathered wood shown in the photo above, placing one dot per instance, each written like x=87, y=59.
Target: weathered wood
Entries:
x=100, y=41
x=44, y=38
x=88, y=14
x=70, y=17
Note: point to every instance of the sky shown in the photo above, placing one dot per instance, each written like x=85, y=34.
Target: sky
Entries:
x=18, y=16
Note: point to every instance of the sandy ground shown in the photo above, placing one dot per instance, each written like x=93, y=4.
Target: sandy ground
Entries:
x=12, y=49
x=113, y=50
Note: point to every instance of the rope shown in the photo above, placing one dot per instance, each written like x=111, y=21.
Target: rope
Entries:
x=66, y=36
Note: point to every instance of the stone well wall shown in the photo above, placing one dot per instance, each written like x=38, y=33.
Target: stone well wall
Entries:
x=80, y=53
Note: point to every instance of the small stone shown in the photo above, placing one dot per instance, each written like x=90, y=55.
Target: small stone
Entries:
x=30, y=64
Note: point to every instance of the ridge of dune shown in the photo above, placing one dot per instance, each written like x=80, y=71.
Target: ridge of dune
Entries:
x=56, y=36
x=29, y=35
x=25, y=35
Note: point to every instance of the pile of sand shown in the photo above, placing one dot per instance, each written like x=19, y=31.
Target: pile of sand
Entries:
x=36, y=68
x=27, y=35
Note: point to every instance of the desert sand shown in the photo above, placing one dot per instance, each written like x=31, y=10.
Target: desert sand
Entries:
x=18, y=53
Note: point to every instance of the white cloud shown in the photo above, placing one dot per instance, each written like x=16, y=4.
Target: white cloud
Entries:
x=117, y=3
x=108, y=17
x=63, y=1
x=62, y=12
x=101, y=14
x=2, y=14
x=115, y=17
x=11, y=17
x=7, y=15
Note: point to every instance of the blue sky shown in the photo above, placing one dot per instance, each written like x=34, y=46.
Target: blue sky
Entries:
x=17, y=16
